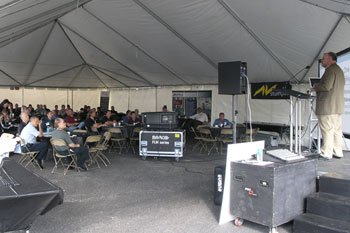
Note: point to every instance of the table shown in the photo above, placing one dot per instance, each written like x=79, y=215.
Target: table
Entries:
x=24, y=196
x=216, y=131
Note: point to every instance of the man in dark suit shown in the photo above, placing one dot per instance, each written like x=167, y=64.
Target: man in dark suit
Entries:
x=330, y=106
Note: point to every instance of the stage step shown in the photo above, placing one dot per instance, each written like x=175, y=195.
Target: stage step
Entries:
x=310, y=223
x=335, y=184
x=329, y=205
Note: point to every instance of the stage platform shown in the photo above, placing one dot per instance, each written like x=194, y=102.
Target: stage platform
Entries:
x=151, y=196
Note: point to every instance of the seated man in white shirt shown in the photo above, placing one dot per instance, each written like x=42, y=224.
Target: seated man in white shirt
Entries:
x=197, y=119
x=29, y=135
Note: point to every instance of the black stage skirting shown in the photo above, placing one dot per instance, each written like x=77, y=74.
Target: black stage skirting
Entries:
x=24, y=196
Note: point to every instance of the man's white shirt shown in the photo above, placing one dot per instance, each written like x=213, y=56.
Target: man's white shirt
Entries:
x=200, y=117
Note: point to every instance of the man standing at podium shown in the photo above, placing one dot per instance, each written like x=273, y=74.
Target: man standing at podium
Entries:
x=330, y=106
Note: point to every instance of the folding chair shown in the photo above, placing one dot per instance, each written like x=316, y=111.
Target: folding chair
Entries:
x=118, y=139
x=134, y=139
x=198, y=138
x=28, y=157
x=80, y=132
x=207, y=140
x=60, y=145
x=104, y=145
x=94, y=131
x=225, y=138
x=90, y=143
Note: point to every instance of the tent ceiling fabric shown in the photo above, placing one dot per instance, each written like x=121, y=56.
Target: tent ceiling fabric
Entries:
x=340, y=6
x=90, y=43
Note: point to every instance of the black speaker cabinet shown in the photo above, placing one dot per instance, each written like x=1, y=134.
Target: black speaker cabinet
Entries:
x=232, y=80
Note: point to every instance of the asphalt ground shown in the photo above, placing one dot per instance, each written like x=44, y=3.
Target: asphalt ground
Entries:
x=156, y=195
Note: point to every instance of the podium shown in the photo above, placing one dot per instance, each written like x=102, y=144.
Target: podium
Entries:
x=295, y=134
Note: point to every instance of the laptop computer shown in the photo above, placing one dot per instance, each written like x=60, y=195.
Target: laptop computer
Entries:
x=314, y=80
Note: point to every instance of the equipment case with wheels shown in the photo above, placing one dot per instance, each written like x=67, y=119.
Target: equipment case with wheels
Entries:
x=162, y=144
x=271, y=195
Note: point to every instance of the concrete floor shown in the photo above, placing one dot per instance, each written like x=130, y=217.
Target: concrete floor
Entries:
x=133, y=196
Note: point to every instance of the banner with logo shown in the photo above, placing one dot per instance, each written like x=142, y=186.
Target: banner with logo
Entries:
x=267, y=90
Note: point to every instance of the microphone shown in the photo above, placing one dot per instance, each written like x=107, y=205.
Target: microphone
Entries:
x=296, y=74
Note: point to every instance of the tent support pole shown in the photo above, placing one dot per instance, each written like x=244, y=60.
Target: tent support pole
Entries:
x=255, y=37
x=138, y=47
x=156, y=100
x=108, y=55
x=177, y=34
x=323, y=46
x=129, y=99
x=22, y=96
x=234, y=120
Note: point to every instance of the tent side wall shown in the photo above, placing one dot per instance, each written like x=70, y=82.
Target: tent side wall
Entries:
x=152, y=99
x=77, y=98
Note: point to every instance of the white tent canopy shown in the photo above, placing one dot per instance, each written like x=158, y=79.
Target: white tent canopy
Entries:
x=134, y=43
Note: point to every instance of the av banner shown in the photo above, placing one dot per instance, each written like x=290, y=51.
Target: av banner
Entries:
x=267, y=90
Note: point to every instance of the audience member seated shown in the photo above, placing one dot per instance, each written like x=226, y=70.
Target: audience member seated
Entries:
x=197, y=119
x=221, y=122
x=48, y=122
x=29, y=135
x=1, y=129
x=4, y=105
x=81, y=152
x=46, y=109
x=38, y=110
x=82, y=114
x=99, y=113
x=56, y=111
x=30, y=110
x=138, y=115
x=73, y=122
x=6, y=123
x=10, y=112
x=62, y=112
x=109, y=119
x=133, y=120
x=126, y=117
x=17, y=111
x=113, y=111
x=91, y=122
x=54, y=116
x=24, y=122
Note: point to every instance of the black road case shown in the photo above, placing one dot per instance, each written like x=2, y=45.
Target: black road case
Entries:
x=162, y=144
x=271, y=195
